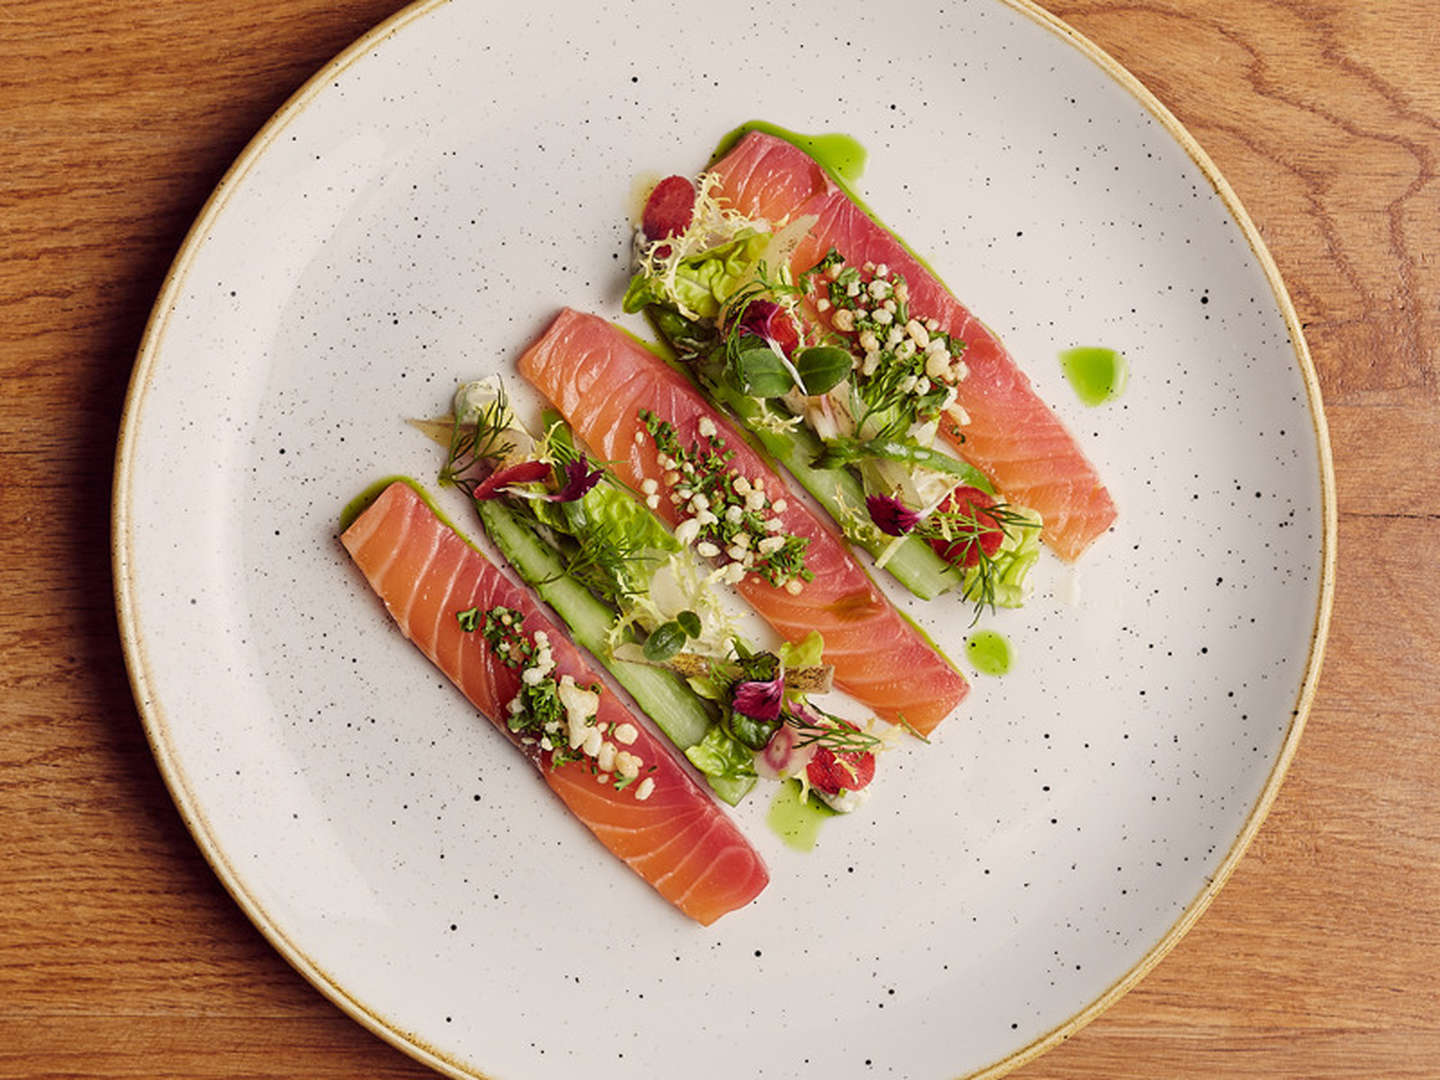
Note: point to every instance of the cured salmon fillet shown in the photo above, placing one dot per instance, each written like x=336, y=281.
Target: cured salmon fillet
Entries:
x=1013, y=437
x=601, y=379
x=677, y=838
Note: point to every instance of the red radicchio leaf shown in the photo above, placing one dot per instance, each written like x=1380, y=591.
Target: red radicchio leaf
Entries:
x=579, y=478
x=890, y=515
x=760, y=700
x=527, y=472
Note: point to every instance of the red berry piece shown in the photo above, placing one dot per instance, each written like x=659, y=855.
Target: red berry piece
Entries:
x=669, y=208
x=832, y=773
x=966, y=506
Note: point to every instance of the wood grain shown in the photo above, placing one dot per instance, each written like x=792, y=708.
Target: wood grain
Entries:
x=121, y=956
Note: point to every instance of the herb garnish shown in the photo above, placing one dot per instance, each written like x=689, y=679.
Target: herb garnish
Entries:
x=838, y=736
x=603, y=560
x=966, y=533
x=477, y=444
x=536, y=713
x=733, y=516
x=964, y=530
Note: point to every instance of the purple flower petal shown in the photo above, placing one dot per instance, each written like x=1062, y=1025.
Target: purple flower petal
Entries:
x=579, y=478
x=890, y=515
x=527, y=472
x=772, y=324
x=759, y=700
x=761, y=318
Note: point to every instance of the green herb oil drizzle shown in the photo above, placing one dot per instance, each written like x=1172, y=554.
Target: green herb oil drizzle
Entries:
x=795, y=820
x=1096, y=375
x=989, y=652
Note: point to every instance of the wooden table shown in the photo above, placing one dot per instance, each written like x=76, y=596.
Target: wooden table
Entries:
x=120, y=955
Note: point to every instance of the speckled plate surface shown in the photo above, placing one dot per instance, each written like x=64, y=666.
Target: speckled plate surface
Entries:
x=414, y=217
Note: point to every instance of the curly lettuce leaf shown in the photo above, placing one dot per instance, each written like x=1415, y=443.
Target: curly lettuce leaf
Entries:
x=700, y=285
x=615, y=516
x=721, y=755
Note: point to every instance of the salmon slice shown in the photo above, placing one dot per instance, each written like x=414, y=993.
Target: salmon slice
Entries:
x=601, y=378
x=676, y=838
x=1012, y=437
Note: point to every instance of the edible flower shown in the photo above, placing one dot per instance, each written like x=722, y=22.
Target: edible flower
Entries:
x=527, y=472
x=760, y=700
x=579, y=478
x=769, y=322
x=890, y=515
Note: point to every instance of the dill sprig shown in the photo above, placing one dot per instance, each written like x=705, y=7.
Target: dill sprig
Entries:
x=597, y=559
x=477, y=444
x=966, y=526
x=603, y=564
x=838, y=737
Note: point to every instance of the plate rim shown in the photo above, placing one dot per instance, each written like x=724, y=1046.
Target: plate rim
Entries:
x=153, y=717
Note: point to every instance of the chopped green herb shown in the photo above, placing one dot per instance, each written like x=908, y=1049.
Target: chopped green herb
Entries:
x=503, y=630
x=738, y=519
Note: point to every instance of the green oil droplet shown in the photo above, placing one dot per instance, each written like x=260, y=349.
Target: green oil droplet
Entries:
x=989, y=652
x=795, y=820
x=1095, y=374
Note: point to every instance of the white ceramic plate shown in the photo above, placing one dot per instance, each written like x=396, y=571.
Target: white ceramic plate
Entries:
x=415, y=216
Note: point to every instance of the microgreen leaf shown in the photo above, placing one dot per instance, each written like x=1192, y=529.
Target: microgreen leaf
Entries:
x=665, y=641
x=752, y=732
x=760, y=373
x=822, y=367
x=689, y=622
